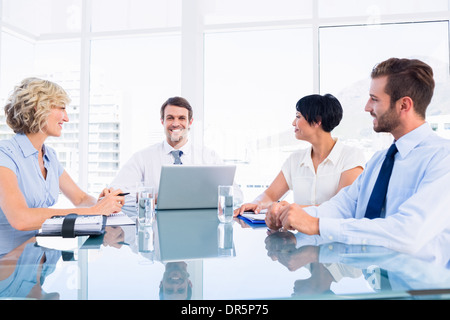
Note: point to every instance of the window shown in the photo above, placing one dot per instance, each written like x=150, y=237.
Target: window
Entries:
x=17, y=59
x=375, y=9
x=130, y=80
x=35, y=18
x=122, y=60
x=348, y=54
x=135, y=15
x=253, y=81
x=237, y=11
x=54, y=61
x=59, y=62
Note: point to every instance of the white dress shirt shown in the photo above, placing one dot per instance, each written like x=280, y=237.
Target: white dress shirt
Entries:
x=311, y=188
x=145, y=165
x=417, y=215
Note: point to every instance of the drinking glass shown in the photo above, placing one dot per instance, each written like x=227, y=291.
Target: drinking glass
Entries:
x=146, y=205
x=225, y=203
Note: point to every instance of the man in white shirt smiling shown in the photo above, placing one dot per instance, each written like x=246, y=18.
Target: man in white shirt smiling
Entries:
x=145, y=165
x=415, y=218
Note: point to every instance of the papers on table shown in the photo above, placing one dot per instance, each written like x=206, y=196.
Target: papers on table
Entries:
x=254, y=218
x=119, y=219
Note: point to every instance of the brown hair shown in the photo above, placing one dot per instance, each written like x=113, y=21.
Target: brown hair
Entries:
x=407, y=77
x=178, y=102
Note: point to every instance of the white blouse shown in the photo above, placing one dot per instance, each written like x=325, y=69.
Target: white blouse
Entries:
x=311, y=188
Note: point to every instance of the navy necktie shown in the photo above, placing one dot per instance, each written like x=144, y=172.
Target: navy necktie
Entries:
x=176, y=155
x=378, y=196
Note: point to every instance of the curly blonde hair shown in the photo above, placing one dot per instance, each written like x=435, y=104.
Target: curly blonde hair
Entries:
x=30, y=103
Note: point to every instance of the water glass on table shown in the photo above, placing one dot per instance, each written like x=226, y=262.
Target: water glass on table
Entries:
x=146, y=205
x=225, y=203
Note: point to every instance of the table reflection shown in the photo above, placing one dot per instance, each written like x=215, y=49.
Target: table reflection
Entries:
x=176, y=284
x=385, y=271
x=189, y=254
x=25, y=266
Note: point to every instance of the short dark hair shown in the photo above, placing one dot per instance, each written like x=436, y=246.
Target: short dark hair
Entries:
x=407, y=78
x=325, y=109
x=178, y=102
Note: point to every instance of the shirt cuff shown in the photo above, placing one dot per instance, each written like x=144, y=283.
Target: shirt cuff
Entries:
x=330, y=229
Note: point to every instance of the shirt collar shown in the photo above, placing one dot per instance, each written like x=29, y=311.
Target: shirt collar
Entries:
x=25, y=144
x=335, y=152
x=333, y=156
x=168, y=148
x=413, y=138
x=306, y=160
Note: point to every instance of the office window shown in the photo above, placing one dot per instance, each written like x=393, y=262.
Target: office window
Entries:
x=260, y=57
x=113, y=15
x=54, y=61
x=237, y=11
x=38, y=17
x=130, y=80
x=375, y=9
x=253, y=80
x=348, y=54
x=59, y=62
x=17, y=60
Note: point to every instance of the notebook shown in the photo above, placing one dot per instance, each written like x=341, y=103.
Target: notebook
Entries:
x=192, y=186
x=253, y=218
x=73, y=225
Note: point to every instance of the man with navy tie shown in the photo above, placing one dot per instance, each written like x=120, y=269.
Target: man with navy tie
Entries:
x=401, y=200
x=145, y=165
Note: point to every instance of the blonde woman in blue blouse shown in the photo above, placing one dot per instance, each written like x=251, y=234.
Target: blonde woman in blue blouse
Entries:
x=31, y=176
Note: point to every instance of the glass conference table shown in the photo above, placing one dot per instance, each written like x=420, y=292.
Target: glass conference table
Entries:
x=189, y=254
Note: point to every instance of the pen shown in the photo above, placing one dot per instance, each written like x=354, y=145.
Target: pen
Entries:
x=120, y=194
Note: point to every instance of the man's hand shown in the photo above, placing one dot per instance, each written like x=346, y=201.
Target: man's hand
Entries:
x=293, y=217
x=273, y=214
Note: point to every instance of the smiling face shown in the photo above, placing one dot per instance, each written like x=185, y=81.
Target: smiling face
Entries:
x=384, y=112
x=303, y=130
x=175, y=283
x=176, y=124
x=55, y=121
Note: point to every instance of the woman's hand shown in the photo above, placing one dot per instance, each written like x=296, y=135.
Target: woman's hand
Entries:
x=256, y=208
x=109, y=201
x=104, y=192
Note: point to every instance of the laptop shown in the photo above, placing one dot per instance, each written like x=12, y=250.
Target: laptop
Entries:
x=192, y=186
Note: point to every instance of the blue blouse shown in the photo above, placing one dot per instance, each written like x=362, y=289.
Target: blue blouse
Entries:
x=19, y=155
